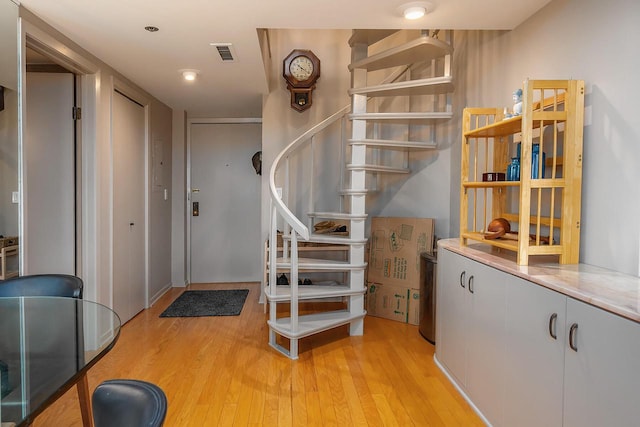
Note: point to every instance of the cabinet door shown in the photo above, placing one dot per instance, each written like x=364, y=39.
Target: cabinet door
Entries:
x=451, y=313
x=486, y=339
x=534, y=365
x=603, y=374
x=471, y=319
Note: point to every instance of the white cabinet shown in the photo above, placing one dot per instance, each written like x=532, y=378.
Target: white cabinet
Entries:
x=486, y=338
x=534, y=361
x=529, y=356
x=472, y=308
x=451, y=292
x=602, y=370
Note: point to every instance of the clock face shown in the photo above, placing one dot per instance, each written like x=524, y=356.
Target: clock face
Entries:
x=301, y=68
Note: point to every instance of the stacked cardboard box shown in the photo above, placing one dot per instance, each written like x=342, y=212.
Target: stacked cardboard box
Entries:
x=394, y=266
x=394, y=302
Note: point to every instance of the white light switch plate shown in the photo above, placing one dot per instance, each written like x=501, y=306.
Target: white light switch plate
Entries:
x=15, y=197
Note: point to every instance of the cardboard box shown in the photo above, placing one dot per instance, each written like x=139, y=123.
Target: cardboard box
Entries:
x=395, y=248
x=398, y=303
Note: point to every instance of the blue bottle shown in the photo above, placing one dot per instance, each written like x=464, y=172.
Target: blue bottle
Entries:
x=513, y=170
x=535, y=156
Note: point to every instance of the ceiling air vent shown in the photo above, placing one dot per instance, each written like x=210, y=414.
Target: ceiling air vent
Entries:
x=226, y=51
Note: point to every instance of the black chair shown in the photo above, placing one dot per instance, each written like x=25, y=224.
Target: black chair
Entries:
x=50, y=285
x=128, y=403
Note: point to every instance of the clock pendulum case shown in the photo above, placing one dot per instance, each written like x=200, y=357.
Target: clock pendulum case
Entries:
x=301, y=70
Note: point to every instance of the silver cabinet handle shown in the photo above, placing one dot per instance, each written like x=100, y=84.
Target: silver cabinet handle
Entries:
x=462, y=278
x=552, y=326
x=573, y=343
x=471, y=284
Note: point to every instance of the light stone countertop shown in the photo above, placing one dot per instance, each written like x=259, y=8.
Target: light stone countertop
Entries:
x=612, y=291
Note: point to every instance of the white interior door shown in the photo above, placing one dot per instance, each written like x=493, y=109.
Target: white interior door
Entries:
x=49, y=170
x=225, y=235
x=129, y=280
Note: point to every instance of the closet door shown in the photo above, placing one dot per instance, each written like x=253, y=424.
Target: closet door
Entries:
x=129, y=275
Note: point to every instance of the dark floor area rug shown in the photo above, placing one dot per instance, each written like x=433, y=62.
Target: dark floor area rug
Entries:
x=226, y=302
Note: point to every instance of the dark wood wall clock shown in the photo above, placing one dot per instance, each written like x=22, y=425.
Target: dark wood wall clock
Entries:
x=301, y=70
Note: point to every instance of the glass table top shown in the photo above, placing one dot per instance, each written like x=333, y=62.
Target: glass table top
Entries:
x=46, y=345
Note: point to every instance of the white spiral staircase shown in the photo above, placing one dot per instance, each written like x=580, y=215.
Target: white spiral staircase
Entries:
x=366, y=156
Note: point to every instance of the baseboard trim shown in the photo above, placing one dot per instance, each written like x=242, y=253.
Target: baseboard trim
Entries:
x=460, y=390
x=159, y=294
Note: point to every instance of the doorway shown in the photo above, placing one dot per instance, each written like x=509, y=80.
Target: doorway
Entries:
x=49, y=163
x=225, y=202
x=129, y=201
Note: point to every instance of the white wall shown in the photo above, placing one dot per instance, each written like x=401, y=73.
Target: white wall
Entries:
x=574, y=39
x=179, y=200
x=160, y=209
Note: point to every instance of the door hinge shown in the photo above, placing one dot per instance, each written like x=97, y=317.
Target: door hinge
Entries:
x=77, y=113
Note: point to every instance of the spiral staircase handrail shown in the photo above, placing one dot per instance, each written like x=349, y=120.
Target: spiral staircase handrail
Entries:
x=282, y=209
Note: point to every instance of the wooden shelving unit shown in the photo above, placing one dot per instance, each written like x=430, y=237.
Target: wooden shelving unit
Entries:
x=544, y=211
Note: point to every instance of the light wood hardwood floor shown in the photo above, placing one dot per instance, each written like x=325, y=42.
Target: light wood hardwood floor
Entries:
x=220, y=371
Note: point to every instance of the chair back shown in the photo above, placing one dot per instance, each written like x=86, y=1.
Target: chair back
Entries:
x=50, y=285
x=128, y=403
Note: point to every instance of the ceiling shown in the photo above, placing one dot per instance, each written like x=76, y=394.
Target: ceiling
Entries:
x=113, y=30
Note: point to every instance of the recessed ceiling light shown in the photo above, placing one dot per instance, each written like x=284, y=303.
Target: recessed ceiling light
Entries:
x=415, y=12
x=151, y=28
x=189, y=75
x=415, y=9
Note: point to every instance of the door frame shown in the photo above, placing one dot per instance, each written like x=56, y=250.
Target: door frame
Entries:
x=87, y=88
x=190, y=122
x=141, y=99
